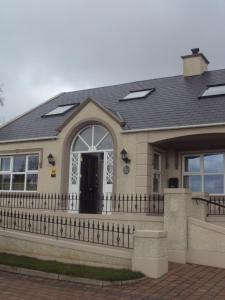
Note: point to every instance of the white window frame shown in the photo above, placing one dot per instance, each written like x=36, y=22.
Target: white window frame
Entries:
x=157, y=172
x=202, y=173
x=56, y=111
x=25, y=173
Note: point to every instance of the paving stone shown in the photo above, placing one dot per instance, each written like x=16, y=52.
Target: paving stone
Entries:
x=188, y=281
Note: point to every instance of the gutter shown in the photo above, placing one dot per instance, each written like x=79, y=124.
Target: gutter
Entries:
x=173, y=127
x=29, y=140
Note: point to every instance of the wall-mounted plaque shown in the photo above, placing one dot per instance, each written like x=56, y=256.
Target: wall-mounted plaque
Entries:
x=126, y=169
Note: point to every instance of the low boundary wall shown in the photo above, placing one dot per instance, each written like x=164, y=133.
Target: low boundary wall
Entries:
x=206, y=243
x=149, y=255
x=217, y=220
x=65, y=251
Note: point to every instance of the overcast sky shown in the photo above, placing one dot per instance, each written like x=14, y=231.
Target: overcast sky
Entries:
x=52, y=46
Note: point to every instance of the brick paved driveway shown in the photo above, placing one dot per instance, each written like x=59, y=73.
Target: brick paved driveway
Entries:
x=182, y=282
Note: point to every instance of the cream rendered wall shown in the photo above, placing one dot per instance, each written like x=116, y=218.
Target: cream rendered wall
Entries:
x=61, y=151
x=66, y=251
x=139, y=145
x=206, y=243
x=194, y=65
x=90, y=114
x=171, y=161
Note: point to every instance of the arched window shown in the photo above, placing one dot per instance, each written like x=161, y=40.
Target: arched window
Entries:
x=92, y=139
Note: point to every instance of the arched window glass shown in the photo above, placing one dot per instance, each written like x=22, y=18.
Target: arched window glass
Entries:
x=79, y=145
x=93, y=138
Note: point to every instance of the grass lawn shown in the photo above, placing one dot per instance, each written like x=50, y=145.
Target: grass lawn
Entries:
x=68, y=269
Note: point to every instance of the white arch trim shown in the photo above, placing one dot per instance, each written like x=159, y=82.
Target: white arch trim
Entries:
x=91, y=139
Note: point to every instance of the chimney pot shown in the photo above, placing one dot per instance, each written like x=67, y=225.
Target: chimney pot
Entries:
x=195, y=50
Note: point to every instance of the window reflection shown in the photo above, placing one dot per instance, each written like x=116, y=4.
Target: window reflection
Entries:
x=204, y=173
x=193, y=182
x=214, y=184
x=19, y=163
x=192, y=164
x=213, y=163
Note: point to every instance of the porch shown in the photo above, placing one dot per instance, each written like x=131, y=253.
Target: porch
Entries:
x=195, y=161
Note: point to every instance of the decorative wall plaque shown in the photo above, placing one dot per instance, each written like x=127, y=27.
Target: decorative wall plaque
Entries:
x=126, y=169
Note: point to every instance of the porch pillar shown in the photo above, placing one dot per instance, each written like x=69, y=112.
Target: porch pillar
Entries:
x=178, y=206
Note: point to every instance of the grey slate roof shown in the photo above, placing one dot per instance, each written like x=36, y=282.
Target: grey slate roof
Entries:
x=174, y=103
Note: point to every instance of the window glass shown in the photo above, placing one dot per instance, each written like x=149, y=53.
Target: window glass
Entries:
x=138, y=94
x=156, y=161
x=60, y=110
x=93, y=137
x=109, y=167
x=32, y=163
x=4, y=182
x=192, y=164
x=86, y=134
x=193, y=182
x=32, y=182
x=214, y=184
x=18, y=182
x=204, y=181
x=99, y=132
x=24, y=168
x=214, y=90
x=79, y=145
x=5, y=164
x=19, y=163
x=213, y=163
x=106, y=143
x=156, y=183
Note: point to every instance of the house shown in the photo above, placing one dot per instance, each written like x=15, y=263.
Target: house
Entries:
x=133, y=138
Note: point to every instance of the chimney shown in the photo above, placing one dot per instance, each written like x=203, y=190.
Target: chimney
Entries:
x=195, y=63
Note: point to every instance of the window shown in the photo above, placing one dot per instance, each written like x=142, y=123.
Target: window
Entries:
x=93, y=138
x=19, y=172
x=204, y=173
x=214, y=90
x=61, y=109
x=156, y=173
x=137, y=94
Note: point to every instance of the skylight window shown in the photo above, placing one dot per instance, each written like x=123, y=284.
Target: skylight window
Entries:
x=213, y=91
x=61, y=109
x=138, y=94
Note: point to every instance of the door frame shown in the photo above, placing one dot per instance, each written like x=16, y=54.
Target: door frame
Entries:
x=106, y=188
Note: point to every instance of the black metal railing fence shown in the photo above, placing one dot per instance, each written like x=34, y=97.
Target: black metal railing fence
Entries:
x=85, y=230
x=215, y=204
x=150, y=204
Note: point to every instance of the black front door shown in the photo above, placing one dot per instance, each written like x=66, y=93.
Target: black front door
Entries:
x=89, y=184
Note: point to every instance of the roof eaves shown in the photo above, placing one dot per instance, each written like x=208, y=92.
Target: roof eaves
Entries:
x=29, y=139
x=173, y=127
x=29, y=111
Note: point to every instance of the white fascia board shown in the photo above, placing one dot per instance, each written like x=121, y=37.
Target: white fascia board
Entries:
x=172, y=127
x=29, y=140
